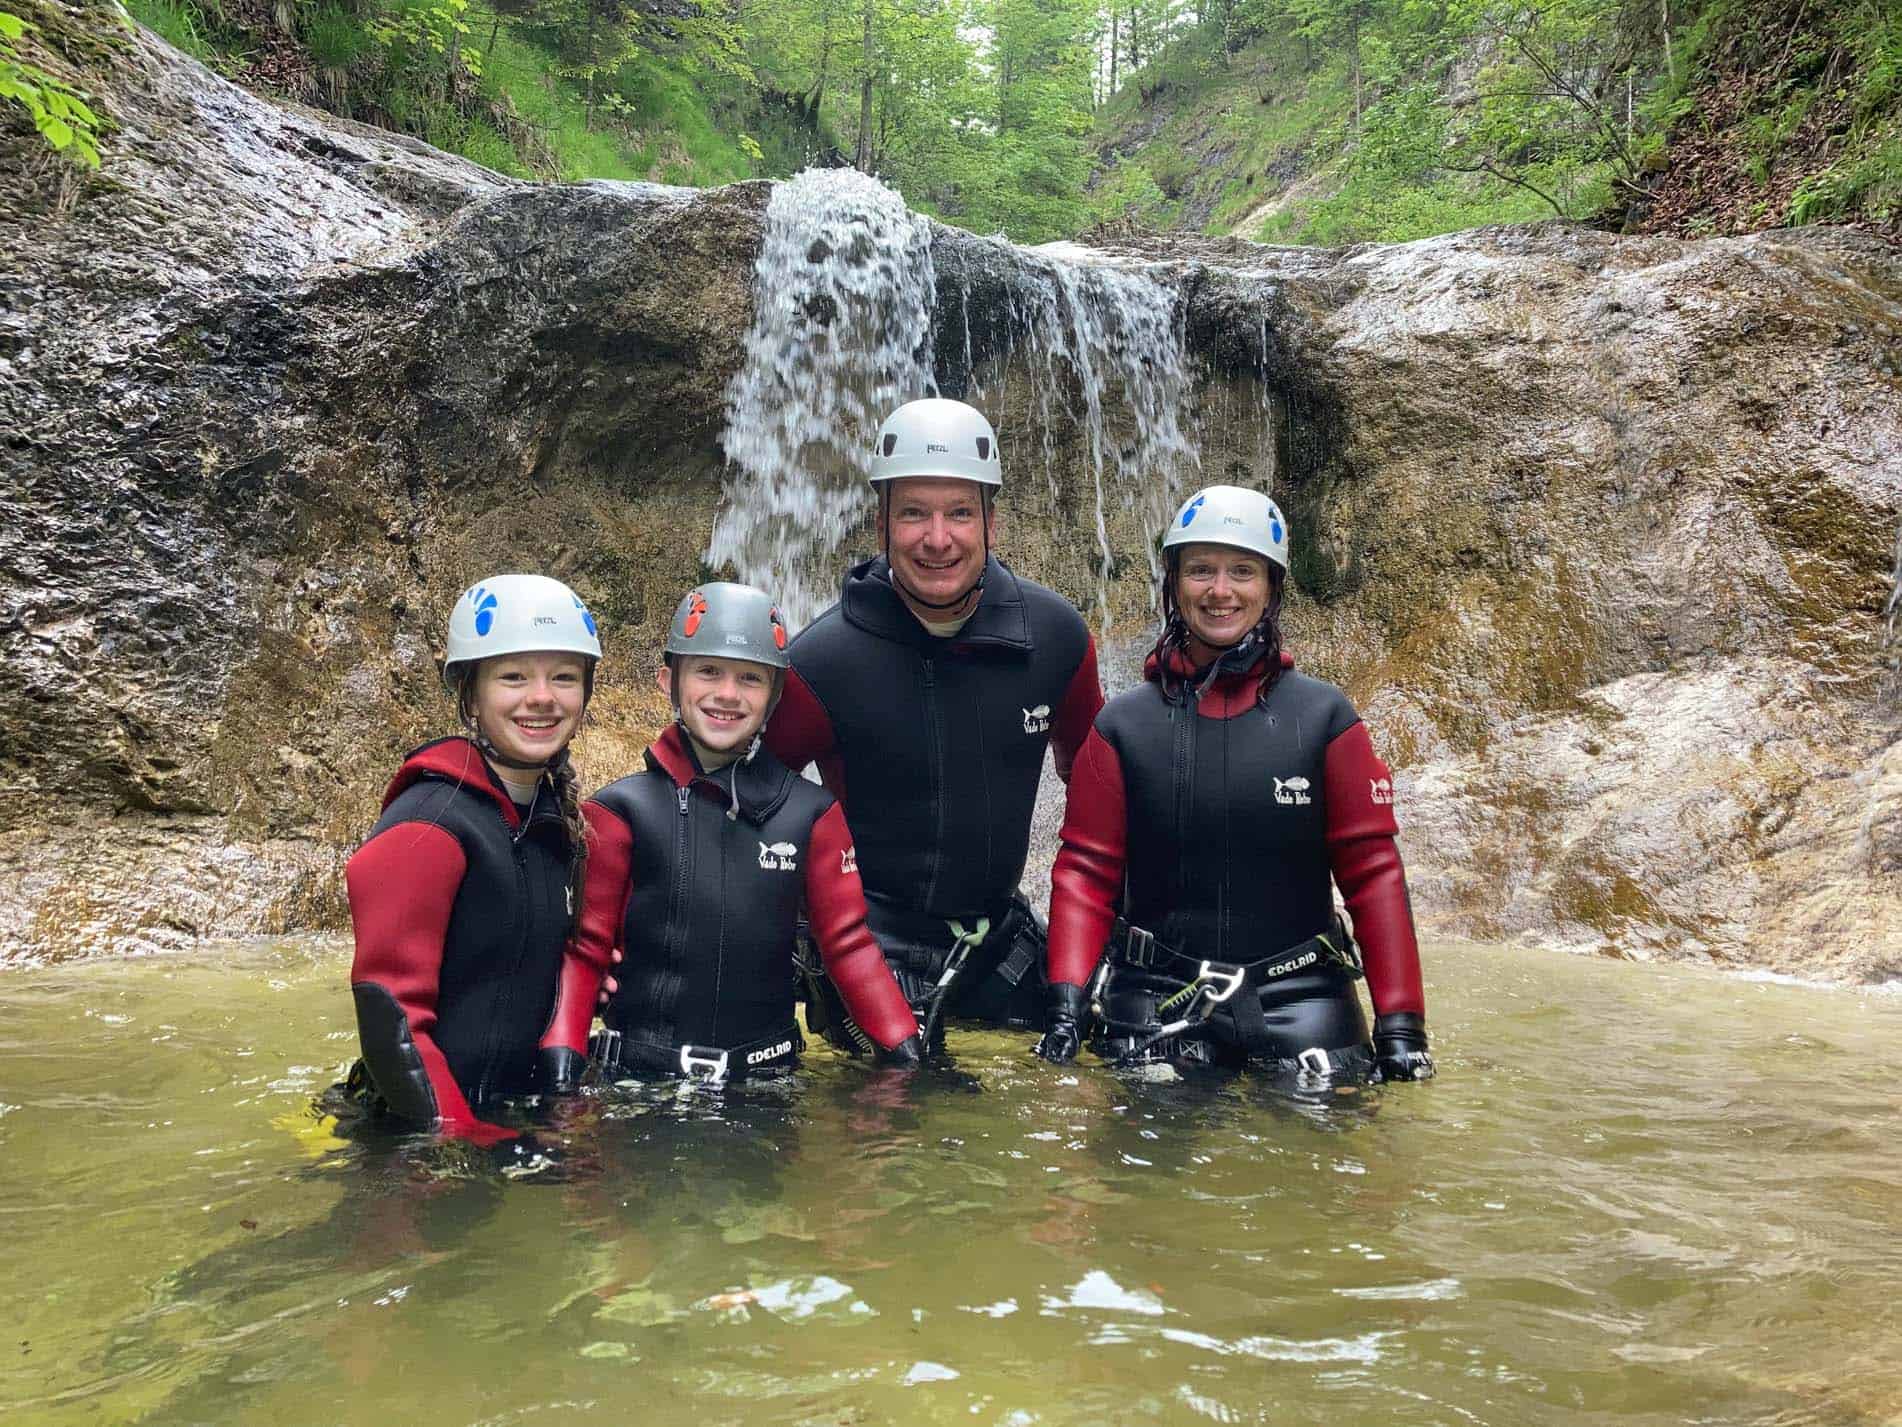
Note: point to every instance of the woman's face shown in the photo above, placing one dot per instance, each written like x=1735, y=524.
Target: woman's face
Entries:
x=1221, y=592
x=722, y=702
x=529, y=705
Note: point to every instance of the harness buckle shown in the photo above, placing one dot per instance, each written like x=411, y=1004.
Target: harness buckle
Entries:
x=694, y=1062
x=606, y=1049
x=1313, y=1065
x=1231, y=978
x=1139, y=946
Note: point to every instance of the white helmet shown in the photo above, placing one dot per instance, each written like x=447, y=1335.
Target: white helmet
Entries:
x=729, y=622
x=518, y=614
x=1231, y=515
x=937, y=437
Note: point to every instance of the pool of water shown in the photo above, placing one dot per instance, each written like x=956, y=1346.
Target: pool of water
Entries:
x=1635, y=1194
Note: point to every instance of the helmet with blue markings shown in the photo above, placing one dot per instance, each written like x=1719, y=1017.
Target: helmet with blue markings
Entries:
x=1232, y=516
x=517, y=614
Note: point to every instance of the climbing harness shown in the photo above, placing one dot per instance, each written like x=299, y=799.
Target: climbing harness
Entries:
x=614, y=1053
x=1141, y=1005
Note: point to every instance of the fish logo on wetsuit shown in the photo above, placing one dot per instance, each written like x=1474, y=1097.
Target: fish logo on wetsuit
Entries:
x=1292, y=791
x=1381, y=790
x=1037, y=720
x=778, y=857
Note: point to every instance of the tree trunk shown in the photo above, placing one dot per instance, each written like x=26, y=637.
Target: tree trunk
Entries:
x=863, y=160
x=1354, y=40
x=1116, y=41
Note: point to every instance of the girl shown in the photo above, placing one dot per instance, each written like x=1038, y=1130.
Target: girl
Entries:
x=464, y=894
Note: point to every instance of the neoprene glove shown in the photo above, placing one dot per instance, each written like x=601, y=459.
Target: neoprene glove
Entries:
x=1400, y=1045
x=1063, y=1019
x=558, y=1070
x=907, y=1053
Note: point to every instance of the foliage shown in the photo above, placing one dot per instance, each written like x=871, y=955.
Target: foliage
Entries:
x=58, y=111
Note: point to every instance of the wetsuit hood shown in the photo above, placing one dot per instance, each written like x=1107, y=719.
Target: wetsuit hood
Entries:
x=754, y=788
x=871, y=601
x=458, y=761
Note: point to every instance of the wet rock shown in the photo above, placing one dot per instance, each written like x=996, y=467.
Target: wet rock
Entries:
x=1596, y=530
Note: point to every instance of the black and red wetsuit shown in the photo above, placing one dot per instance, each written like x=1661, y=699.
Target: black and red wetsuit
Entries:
x=699, y=878
x=936, y=746
x=460, y=907
x=1216, y=821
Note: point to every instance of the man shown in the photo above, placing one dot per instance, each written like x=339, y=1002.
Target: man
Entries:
x=927, y=696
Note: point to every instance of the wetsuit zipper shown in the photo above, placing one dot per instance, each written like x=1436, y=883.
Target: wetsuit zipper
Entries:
x=677, y=911
x=937, y=775
x=486, y=1083
x=1186, y=715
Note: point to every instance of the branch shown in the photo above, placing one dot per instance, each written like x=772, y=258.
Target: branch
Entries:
x=1484, y=167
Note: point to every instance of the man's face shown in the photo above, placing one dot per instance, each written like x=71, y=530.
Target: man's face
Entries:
x=936, y=534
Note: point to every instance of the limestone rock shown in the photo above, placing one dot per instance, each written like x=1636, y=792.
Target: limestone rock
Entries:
x=1596, y=530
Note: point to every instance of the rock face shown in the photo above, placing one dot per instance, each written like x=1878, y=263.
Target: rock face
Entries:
x=1596, y=530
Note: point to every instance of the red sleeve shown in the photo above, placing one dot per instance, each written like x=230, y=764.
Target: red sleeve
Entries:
x=1366, y=861
x=835, y=903
x=1086, y=884
x=800, y=731
x=1082, y=701
x=403, y=884
x=605, y=889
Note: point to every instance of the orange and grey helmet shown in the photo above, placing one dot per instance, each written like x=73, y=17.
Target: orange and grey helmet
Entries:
x=729, y=621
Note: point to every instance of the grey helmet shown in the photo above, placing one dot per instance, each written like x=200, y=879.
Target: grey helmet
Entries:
x=729, y=621
x=937, y=437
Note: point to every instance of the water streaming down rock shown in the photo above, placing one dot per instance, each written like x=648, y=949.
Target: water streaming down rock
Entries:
x=841, y=334
x=1102, y=344
x=851, y=319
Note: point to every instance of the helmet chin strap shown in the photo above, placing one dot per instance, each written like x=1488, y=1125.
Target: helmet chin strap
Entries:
x=496, y=755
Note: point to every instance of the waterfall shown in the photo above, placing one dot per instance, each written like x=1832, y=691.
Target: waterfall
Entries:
x=841, y=334
x=1069, y=349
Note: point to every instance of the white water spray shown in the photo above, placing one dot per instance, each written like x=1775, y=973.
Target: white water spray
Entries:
x=841, y=334
x=844, y=293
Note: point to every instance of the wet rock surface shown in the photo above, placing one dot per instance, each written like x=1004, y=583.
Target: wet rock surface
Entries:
x=1596, y=530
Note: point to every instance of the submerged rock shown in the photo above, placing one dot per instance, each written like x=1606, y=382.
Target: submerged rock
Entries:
x=1597, y=530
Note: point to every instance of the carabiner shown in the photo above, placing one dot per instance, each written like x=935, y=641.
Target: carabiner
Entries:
x=712, y=1062
x=1232, y=978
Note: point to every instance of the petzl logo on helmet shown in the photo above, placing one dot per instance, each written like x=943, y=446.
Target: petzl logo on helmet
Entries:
x=1194, y=509
x=1381, y=790
x=696, y=611
x=1037, y=720
x=778, y=857
x=1292, y=791
x=484, y=609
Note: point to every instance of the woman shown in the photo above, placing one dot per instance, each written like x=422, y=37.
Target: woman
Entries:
x=699, y=866
x=1216, y=806
x=464, y=894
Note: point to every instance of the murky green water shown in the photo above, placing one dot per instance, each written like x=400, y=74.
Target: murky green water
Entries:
x=1634, y=1195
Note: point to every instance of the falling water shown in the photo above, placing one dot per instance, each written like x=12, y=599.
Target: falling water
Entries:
x=841, y=334
x=1118, y=333
x=845, y=292
x=1892, y=611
